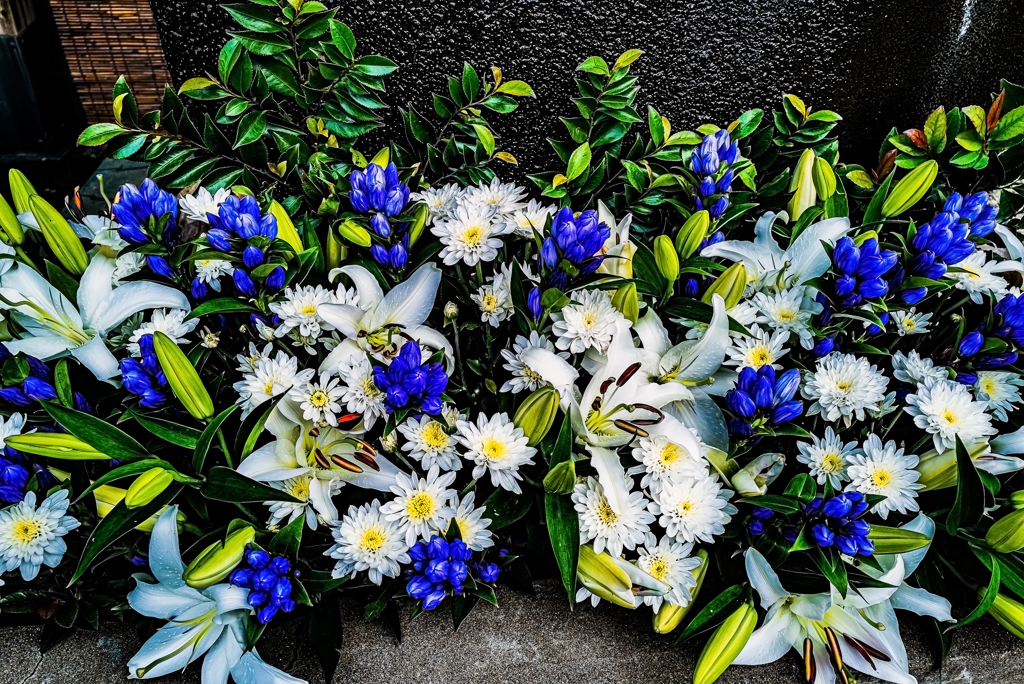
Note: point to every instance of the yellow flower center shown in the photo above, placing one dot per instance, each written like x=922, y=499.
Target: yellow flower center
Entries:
x=370, y=388
x=473, y=236
x=211, y=340
x=494, y=450
x=308, y=310
x=685, y=507
x=844, y=385
x=760, y=356
x=27, y=531
x=881, y=478
x=420, y=507
x=268, y=389
x=832, y=463
x=589, y=319
x=670, y=453
x=988, y=385
x=909, y=324
x=787, y=315
x=319, y=399
x=372, y=540
x=489, y=303
x=300, y=489
x=659, y=568
x=949, y=417
x=606, y=514
x=435, y=437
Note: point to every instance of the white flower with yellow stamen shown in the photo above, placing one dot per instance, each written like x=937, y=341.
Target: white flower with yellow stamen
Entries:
x=670, y=562
x=361, y=394
x=763, y=349
x=695, y=508
x=319, y=400
x=127, y=265
x=945, y=410
x=210, y=271
x=885, y=471
x=500, y=198
x=495, y=300
x=914, y=369
x=524, y=377
x=365, y=540
x=472, y=525
x=789, y=310
x=911, y=322
x=283, y=512
x=211, y=340
x=196, y=206
x=663, y=460
x=531, y=219
x=427, y=441
x=470, y=235
x=587, y=323
x=247, y=362
x=844, y=386
x=440, y=201
x=610, y=529
x=497, y=446
x=170, y=322
x=977, y=277
x=32, y=537
x=998, y=391
x=421, y=504
x=301, y=311
x=269, y=378
x=827, y=458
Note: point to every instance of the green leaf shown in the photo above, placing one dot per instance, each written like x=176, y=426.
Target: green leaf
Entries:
x=280, y=78
x=286, y=542
x=219, y=306
x=747, y=123
x=100, y=133
x=97, y=433
x=62, y=384
x=375, y=65
x=562, y=519
x=516, y=88
x=250, y=128
x=470, y=82
x=252, y=427
x=874, y=211
x=206, y=438
x=197, y=83
x=969, y=504
x=773, y=502
x=263, y=44
x=343, y=38
x=987, y=599
x=697, y=310
x=656, y=126
x=486, y=138
x=935, y=130
x=225, y=484
x=594, y=65
x=627, y=58
x=178, y=435
x=60, y=279
x=253, y=17
x=833, y=568
x=803, y=487
x=504, y=507
x=1010, y=126
x=228, y=58
x=713, y=613
x=579, y=162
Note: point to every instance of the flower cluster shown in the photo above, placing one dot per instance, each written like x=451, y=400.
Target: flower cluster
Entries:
x=441, y=568
x=268, y=579
x=711, y=162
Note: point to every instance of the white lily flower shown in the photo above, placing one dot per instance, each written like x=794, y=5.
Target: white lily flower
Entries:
x=55, y=327
x=617, y=250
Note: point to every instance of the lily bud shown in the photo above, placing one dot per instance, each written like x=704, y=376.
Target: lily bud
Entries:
x=55, y=445
x=336, y=252
x=1007, y=534
x=418, y=223
x=753, y=479
x=108, y=496
x=1008, y=613
x=217, y=561
x=537, y=413
x=626, y=302
x=285, y=227
x=692, y=233
x=11, y=231
x=891, y=540
x=669, y=616
x=355, y=233
x=802, y=186
x=938, y=470
x=1017, y=500
x=725, y=644
x=730, y=285
x=824, y=178
x=613, y=578
x=910, y=189
x=21, y=191
x=561, y=479
x=61, y=238
x=147, y=487
x=666, y=258
x=182, y=377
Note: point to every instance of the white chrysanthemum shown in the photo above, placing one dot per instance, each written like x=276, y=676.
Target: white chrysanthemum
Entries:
x=198, y=205
x=998, y=391
x=763, y=349
x=498, y=446
x=945, y=410
x=470, y=235
x=428, y=442
x=827, y=458
x=844, y=386
x=670, y=562
x=978, y=277
x=495, y=300
x=662, y=460
x=524, y=377
x=531, y=219
x=247, y=362
x=365, y=540
x=440, y=201
x=693, y=508
x=170, y=322
x=210, y=271
x=420, y=506
x=319, y=400
x=500, y=198
x=210, y=339
x=299, y=311
x=269, y=378
x=283, y=512
x=886, y=471
x=788, y=310
x=472, y=525
x=610, y=530
x=910, y=322
x=361, y=394
x=127, y=265
x=589, y=322
x=31, y=537
x=914, y=369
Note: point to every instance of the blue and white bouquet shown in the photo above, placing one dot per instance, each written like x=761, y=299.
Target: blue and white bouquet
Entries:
x=715, y=374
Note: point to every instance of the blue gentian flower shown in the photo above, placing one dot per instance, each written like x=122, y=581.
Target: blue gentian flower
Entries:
x=861, y=270
x=836, y=522
x=971, y=343
x=378, y=189
x=144, y=377
x=410, y=384
x=533, y=303
x=440, y=568
x=138, y=210
x=760, y=396
x=577, y=240
x=715, y=152
x=269, y=581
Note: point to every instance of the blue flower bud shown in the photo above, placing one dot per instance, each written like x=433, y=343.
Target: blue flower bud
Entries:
x=242, y=577
x=847, y=545
x=82, y=404
x=398, y=256
x=360, y=201
x=275, y=281
x=398, y=197
x=725, y=182
x=991, y=361
x=160, y=266
x=756, y=527
x=846, y=256
x=837, y=507
x=379, y=224
x=379, y=254
x=252, y=256
x=966, y=378
x=244, y=283
x=534, y=304
x=218, y=239
x=280, y=565
x=913, y=295
x=740, y=428
x=973, y=206
x=870, y=289
x=814, y=507
x=266, y=613
x=845, y=285
x=761, y=513
x=433, y=600
x=783, y=413
x=746, y=379
x=982, y=228
x=719, y=207
x=787, y=384
x=257, y=598
x=487, y=572
x=740, y=403
x=764, y=392
x=691, y=287
x=971, y=343
x=199, y=289
x=39, y=389
x=707, y=187
x=822, y=535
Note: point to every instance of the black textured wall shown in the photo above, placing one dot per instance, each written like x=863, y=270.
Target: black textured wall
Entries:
x=879, y=63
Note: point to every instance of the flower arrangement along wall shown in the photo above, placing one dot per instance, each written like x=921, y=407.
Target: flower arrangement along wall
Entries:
x=769, y=396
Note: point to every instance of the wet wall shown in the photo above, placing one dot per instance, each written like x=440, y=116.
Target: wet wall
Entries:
x=878, y=63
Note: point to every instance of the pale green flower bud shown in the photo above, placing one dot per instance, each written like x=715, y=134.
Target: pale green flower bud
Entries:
x=451, y=311
x=55, y=445
x=21, y=191
x=1017, y=499
x=730, y=284
x=890, y=540
x=938, y=470
x=355, y=233
x=419, y=222
x=802, y=186
x=753, y=479
x=11, y=231
x=626, y=301
x=285, y=227
x=61, y=238
x=1007, y=534
x=537, y=413
x=561, y=479
x=336, y=252
x=666, y=257
x=910, y=189
x=669, y=616
x=689, y=237
x=725, y=644
x=182, y=377
x=1010, y=614
x=603, y=577
x=147, y=487
x=824, y=178
x=217, y=561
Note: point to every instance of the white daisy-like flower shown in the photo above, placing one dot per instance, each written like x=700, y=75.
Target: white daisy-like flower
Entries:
x=662, y=460
x=127, y=265
x=427, y=441
x=470, y=235
x=210, y=340
x=500, y=198
x=789, y=310
x=914, y=369
x=945, y=410
x=366, y=540
x=844, y=386
x=170, y=322
x=495, y=300
x=361, y=394
x=299, y=311
x=440, y=201
x=763, y=349
x=886, y=471
x=694, y=508
x=247, y=362
x=283, y=512
x=998, y=391
x=472, y=525
x=210, y=271
x=31, y=537
x=264, y=331
x=319, y=400
x=269, y=378
x=203, y=202
x=420, y=506
x=978, y=277
x=670, y=562
x=589, y=322
x=531, y=219
x=610, y=530
x=498, y=446
x=910, y=322
x=525, y=378
x=827, y=458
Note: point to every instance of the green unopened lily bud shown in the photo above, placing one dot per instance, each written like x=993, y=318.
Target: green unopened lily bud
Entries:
x=725, y=644
x=561, y=479
x=689, y=237
x=182, y=377
x=1007, y=534
x=603, y=577
x=21, y=190
x=824, y=178
x=666, y=257
x=60, y=236
x=217, y=560
x=355, y=233
x=537, y=413
x=890, y=540
x=55, y=445
x=730, y=284
x=1009, y=613
x=419, y=222
x=938, y=470
x=627, y=302
x=285, y=227
x=753, y=479
x=147, y=487
x=11, y=231
x=335, y=252
x=1017, y=499
x=910, y=189
x=802, y=186
x=669, y=616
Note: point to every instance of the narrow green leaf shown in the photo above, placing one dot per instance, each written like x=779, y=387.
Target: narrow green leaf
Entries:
x=562, y=519
x=206, y=438
x=225, y=484
x=287, y=540
x=97, y=433
x=176, y=434
x=969, y=504
x=713, y=613
x=219, y=306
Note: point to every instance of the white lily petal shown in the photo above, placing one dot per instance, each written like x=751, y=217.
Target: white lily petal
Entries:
x=922, y=602
x=552, y=367
x=251, y=669
x=345, y=317
x=164, y=556
x=1013, y=244
x=169, y=649
x=870, y=596
x=222, y=656
x=409, y=303
x=131, y=298
x=228, y=598
x=320, y=498
x=1009, y=443
x=926, y=526
x=95, y=286
x=366, y=284
x=763, y=578
x=652, y=333
x=162, y=601
x=768, y=643
x=611, y=475
x=806, y=256
x=701, y=360
x=382, y=480
x=95, y=356
x=432, y=338
x=703, y=415
x=272, y=462
x=812, y=606
x=22, y=283
x=348, y=350
x=41, y=347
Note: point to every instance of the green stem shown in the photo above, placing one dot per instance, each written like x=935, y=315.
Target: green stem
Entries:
x=25, y=258
x=224, y=447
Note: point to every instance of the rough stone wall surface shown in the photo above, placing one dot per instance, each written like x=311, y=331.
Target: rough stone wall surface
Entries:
x=880, y=63
x=528, y=639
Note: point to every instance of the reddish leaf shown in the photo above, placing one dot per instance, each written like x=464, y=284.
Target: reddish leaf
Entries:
x=995, y=111
x=885, y=165
x=917, y=137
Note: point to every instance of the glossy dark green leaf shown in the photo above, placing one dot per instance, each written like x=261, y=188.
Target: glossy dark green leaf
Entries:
x=123, y=471
x=504, y=507
x=250, y=128
x=97, y=433
x=987, y=599
x=803, y=487
x=220, y=306
x=287, y=540
x=207, y=436
x=714, y=612
x=175, y=433
x=225, y=484
x=562, y=519
x=774, y=502
x=969, y=504
x=833, y=568
x=62, y=384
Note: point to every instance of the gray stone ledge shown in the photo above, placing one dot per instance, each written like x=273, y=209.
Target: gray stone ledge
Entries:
x=528, y=639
